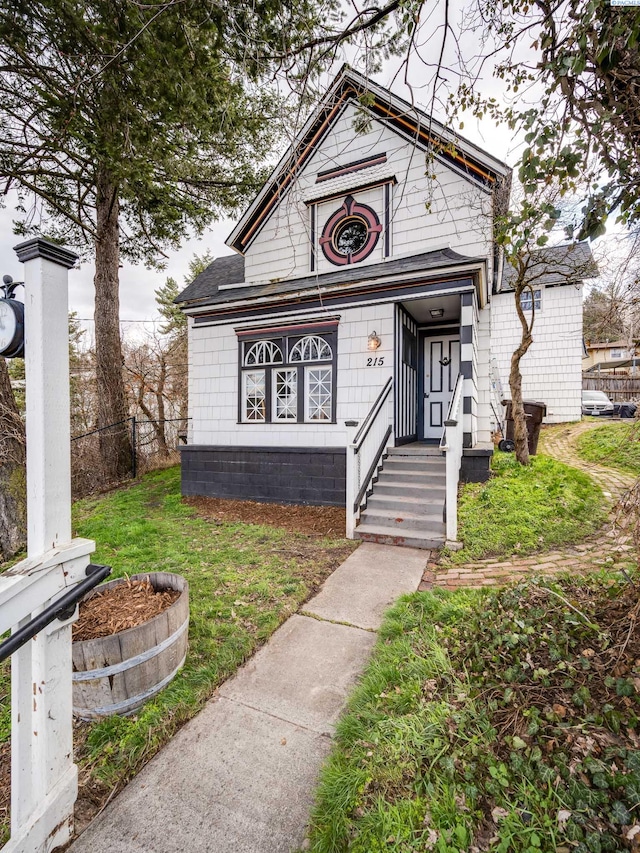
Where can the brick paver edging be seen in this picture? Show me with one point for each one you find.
(603, 550)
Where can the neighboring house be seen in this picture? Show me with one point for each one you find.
(355, 321)
(616, 356)
(552, 368)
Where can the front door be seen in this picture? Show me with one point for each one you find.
(441, 365)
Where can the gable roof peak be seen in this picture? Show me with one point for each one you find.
(405, 119)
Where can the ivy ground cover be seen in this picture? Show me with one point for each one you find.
(491, 720)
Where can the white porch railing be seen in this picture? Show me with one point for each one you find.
(497, 394)
(365, 452)
(451, 446)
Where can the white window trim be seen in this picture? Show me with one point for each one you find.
(274, 392)
(245, 397)
(307, 396)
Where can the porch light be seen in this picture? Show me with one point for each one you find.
(437, 312)
(373, 341)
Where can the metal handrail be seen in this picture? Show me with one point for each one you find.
(371, 416)
(372, 469)
(62, 608)
(453, 408)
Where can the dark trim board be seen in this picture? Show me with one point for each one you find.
(355, 166)
(406, 372)
(284, 475)
(376, 292)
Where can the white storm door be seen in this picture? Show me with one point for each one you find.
(441, 369)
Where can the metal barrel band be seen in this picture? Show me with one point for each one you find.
(129, 704)
(114, 669)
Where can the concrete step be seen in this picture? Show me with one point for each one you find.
(399, 504)
(435, 478)
(415, 463)
(408, 521)
(416, 450)
(409, 490)
(423, 450)
(391, 536)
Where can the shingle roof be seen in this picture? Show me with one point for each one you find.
(229, 269)
(553, 265)
(205, 288)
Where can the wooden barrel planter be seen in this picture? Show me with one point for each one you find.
(117, 674)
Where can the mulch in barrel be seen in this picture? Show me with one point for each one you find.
(123, 606)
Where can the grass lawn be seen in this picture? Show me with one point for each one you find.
(244, 581)
(502, 720)
(521, 510)
(615, 444)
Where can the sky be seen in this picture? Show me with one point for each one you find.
(138, 310)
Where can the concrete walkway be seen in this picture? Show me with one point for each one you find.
(241, 775)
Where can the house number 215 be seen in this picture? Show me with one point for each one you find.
(375, 361)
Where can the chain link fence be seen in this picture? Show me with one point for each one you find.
(131, 447)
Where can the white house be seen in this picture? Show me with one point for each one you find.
(347, 345)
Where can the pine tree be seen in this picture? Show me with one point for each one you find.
(130, 124)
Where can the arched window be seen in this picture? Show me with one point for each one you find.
(311, 348)
(288, 378)
(262, 352)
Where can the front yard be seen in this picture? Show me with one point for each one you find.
(245, 579)
(474, 702)
(501, 719)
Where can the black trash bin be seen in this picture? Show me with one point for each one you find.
(535, 413)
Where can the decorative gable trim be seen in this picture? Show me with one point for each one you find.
(423, 130)
(349, 184)
(356, 166)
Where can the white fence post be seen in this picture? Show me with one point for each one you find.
(43, 775)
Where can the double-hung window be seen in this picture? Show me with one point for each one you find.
(529, 299)
(289, 378)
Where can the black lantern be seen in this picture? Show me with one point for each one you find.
(11, 321)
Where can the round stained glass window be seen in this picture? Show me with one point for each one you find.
(350, 236)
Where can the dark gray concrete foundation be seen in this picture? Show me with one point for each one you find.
(301, 475)
(476, 464)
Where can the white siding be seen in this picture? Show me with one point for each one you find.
(552, 369)
(432, 207)
(213, 384)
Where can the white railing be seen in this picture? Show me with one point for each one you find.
(497, 394)
(451, 446)
(365, 453)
